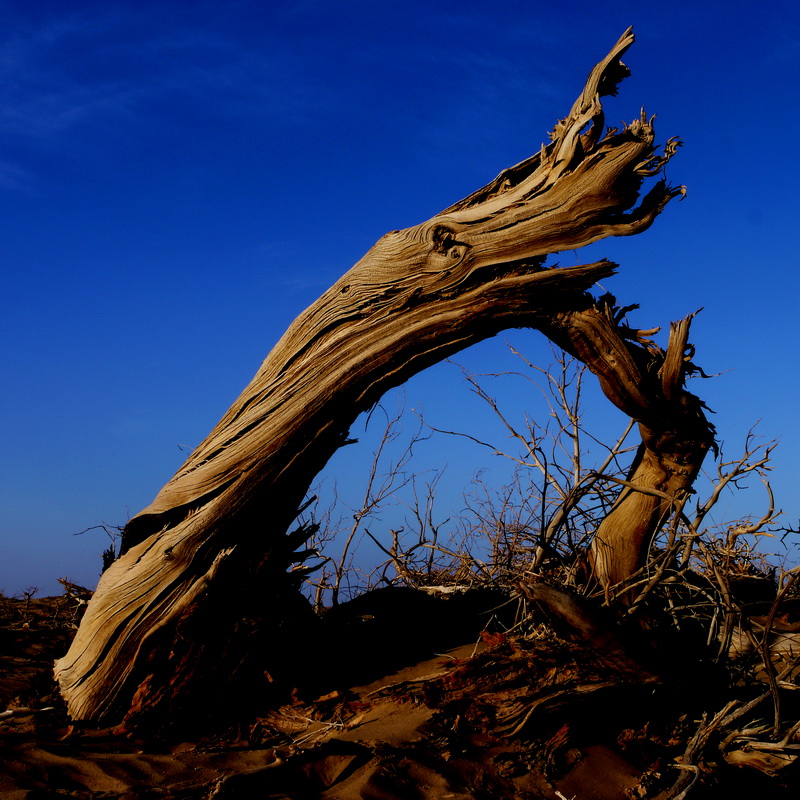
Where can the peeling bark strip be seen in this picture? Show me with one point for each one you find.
(164, 625)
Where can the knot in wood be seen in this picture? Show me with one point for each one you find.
(445, 243)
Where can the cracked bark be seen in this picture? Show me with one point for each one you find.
(167, 624)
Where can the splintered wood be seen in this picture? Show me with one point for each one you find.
(166, 628)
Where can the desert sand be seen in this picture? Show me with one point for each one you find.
(510, 714)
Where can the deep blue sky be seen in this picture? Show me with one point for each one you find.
(179, 180)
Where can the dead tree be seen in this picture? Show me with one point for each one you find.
(202, 596)
(647, 383)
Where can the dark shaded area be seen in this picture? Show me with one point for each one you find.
(426, 696)
(33, 633)
(386, 629)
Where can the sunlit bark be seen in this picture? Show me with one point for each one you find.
(647, 383)
(201, 596)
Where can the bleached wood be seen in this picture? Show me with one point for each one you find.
(164, 624)
(648, 385)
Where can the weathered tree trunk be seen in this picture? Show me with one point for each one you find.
(201, 596)
(646, 383)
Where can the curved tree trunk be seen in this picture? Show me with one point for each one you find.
(201, 597)
(647, 384)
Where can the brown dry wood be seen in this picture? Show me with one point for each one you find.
(646, 383)
(166, 625)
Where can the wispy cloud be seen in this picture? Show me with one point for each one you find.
(39, 96)
(124, 71)
(79, 68)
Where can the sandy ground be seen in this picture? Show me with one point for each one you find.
(493, 717)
